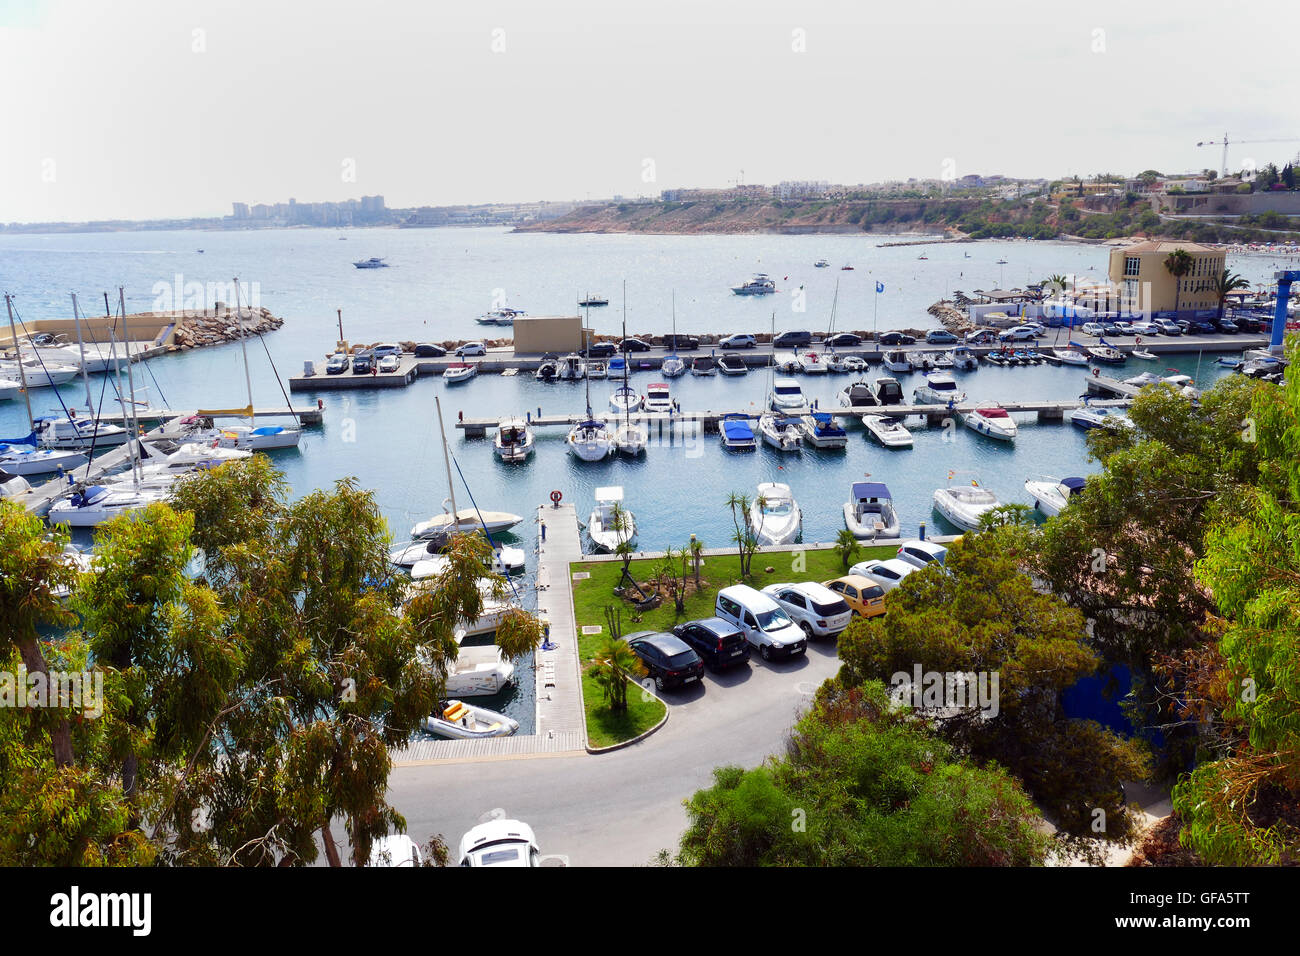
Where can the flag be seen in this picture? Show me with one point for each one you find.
(950, 474)
(880, 287)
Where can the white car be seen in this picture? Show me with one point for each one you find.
(1145, 328)
(389, 363)
(921, 554)
(1093, 328)
(500, 843)
(818, 610)
(739, 341)
(398, 850)
(1021, 333)
(471, 348)
(888, 574)
(1125, 328)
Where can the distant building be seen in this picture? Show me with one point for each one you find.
(801, 189)
(1139, 272)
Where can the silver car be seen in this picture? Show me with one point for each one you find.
(818, 610)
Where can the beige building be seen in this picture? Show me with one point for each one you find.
(559, 334)
(1138, 272)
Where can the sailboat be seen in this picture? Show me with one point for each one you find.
(590, 439)
(672, 365)
(629, 438)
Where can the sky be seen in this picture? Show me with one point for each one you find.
(142, 109)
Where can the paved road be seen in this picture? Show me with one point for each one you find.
(619, 809)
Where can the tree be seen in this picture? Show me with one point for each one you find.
(697, 558)
(612, 668)
(847, 547)
(744, 538)
(1004, 515)
(1178, 263)
(1228, 281)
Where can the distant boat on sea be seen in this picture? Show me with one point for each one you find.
(593, 300)
(761, 284)
(374, 262)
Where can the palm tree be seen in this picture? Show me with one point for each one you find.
(697, 558)
(1178, 263)
(612, 668)
(1229, 281)
(744, 537)
(1008, 514)
(846, 546)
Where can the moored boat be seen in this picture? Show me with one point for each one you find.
(737, 433)
(869, 513)
(458, 372)
(590, 440)
(1051, 495)
(783, 434)
(462, 721)
(731, 364)
(992, 421)
(610, 524)
(774, 516)
(964, 505)
(890, 432)
(513, 440)
(821, 431)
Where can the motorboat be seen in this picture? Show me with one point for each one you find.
(787, 363)
(888, 391)
(731, 364)
(761, 284)
(737, 433)
(787, 398)
(630, 438)
(941, 359)
(95, 505)
(820, 264)
(1185, 384)
(821, 431)
(964, 360)
(513, 440)
(624, 399)
(610, 524)
(858, 397)
(548, 368)
(897, 360)
(1069, 356)
(964, 505)
(774, 517)
(571, 368)
(855, 363)
(505, 559)
(657, 398)
(991, 420)
(812, 364)
(38, 374)
(374, 262)
(672, 367)
(703, 365)
(259, 438)
(1145, 354)
(940, 388)
(597, 369)
(20, 459)
(13, 485)
(458, 372)
(1089, 416)
(467, 520)
(77, 434)
(593, 301)
(590, 440)
(783, 434)
(9, 390)
(890, 432)
(1144, 378)
(479, 671)
(501, 316)
(430, 572)
(1105, 355)
(837, 364)
(869, 513)
(846, 268)
(462, 721)
(1051, 495)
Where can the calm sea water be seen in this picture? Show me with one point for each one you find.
(441, 279)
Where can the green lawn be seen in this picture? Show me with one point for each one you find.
(604, 727)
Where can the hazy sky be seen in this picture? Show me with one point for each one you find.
(157, 108)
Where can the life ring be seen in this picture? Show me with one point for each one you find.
(1137, 340)
(1096, 372)
(556, 497)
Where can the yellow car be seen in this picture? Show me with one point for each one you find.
(862, 595)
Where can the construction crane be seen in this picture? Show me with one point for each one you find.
(1238, 142)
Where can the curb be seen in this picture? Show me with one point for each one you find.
(596, 751)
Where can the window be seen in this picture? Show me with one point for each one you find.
(794, 598)
(1132, 265)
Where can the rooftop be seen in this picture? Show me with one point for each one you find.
(1167, 246)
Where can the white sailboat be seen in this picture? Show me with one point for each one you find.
(774, 516)
(672, 366)
(590, 440)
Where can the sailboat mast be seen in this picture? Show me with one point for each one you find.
(132, 415)
(18, 358)
(85, 378)
(626, 401)
(243, 345)
(446, 459)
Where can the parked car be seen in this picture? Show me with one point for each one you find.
(633, 345)
(471, 348)
(337, 364)
(922, 553)
(1125, 328)
(897, 338)
(1248, 323)
(500, 843)
(818, 611)
(667, 658)
(843, 340)
(741, 340)
(978, 337)
(387, 348)
(940, 337)
(792, 340)
(864, 597)
(362, 363)
(1093, 328)
(1111, 328)
(602, 349)
(1202, 327)
(1145, 328)
(720, 643)
(429, 350)
(888, 574)
(1167, 327)
(1021, 333)
(389, 363)
(684, 342)
(1226, 326)
(765, 625)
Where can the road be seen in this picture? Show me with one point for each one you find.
(621, 808)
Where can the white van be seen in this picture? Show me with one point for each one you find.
(764, 623)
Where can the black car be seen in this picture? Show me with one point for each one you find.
(429, 350)
(683, 342)
(667, 658)
(1110, 328)
(792, 340)
(897, 338)
(362, 363)
(844, 340)
(633, 345)
(1226, 326)
(1203, 327)
(719, 642)
(602, 349)
(1249, 323)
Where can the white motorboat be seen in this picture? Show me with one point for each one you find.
(858, 398)
(11, 485)
(479, 672)
(812, 364)
(963, 505)
(838, 364)
(888, 391)
(774, 516)
(624, 399)
(896, 360)
(467, 519)
(99, 503)
(77, 434)
(821, 431)
(610, 524)
(261, 438)
(590, 440)
(855, 363)
(787, 398)
(704, 365)
(1051, 495)
(731, 364)
(505, 559)
(597, 369)
(737, 433)
(9, 390)
(869, 513)
(783, 434)
(18, 459)
(940, 388)
(672, 367)
(1090, 416)
(1070, 356)
(462, 721)
(547, 368)
(630, 438)
(571, 368)
(502, 316)
(458, 372)
(1144, 354)
(38, 374)
(890, 432)
(761, 284)
(964, 360)
(513, 440)
(992, 421)
(657, 398)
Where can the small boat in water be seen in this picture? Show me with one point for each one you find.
(672, 367)
(374, 262)
(591, 301)
(897, 360)
(513, 440)
(783, 434)
(869, 513)
(467, 519)
(505, 559)
(548, 368)
(1070, 356)
(590, 440)
(888, 431)
(1144, 354)
(462, 721)
(610, 524)
(774, 516)
(458, 372)
(1090, 416)
(821, 264)
(658, 398)
(821, 431)
(501, 316)
(624, 399)
(261, 438)
(992, 421)
(787, 398)
(737, 433)
(888, 391)
(77, 434)
(964, 505)
(812, 364)
(855, 363)
(964, 360)
(703, 365)
(1105, 355)
(858, 398)
(761, 284)
(940, 388)
(571, 368)
(96, 505)
(630, 438)
(1051, 495)
(731, 364)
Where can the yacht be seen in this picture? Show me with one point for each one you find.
(730, 364)
(610, 524)
(1051, 495)
(1070, 356)
(513, 440)
(95, 505)
(624, 399)
(77, 434)
(821, 431)
(963, 505)
(897, 360)
(657, 398)
(858, 397)
(590, 440)
(737, 433)
(38, 374)
(1145, 354)
(869, 513)
(991, 420)
(888, 391)
(467, 520)
(787, 398)
(890, 432)
(261, 438)
(26, 459)
(9, 389)
(1090, 416)
(774, 516)
(593, 301)
(501, 316)
(374, 262)
(940, 388)
(761, 284)
(783, 434)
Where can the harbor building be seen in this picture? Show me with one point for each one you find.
(1145, 285)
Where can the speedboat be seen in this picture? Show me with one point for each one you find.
(11, 485)
(730, 364)
(374, 262)
(858, 397)
(1070, 356)
(855, 363)
(462, 721)
(940, 388)
(1090, 416)
(624, 399)
(737, 433)
(467, 520)
(821, 431)
(597, 370)
(888, 391)
(774, 516)
(502, 316)
(672, 367)
(783, 434)
(590, 440)
(869, 513)
(820, 264)
(513, 440)
(571, 368)
(761, 284)
(9, 390)
(657, 398)
(812, 364)
(896, 360)
(20, 459)
(479, 671)
(787, 398)
(610, 524)
(38, 374)
(548, 369)
(991, 420)
(963, 359)
(459, 372)
(99, 503)
(505, 559)
(703, 365)
(963, 505)
(837, 363)
(1106, 355)
(941, 359)
(260, 438)
(1051, 495)
(630, 438)
(77, 434)
(890, 432)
